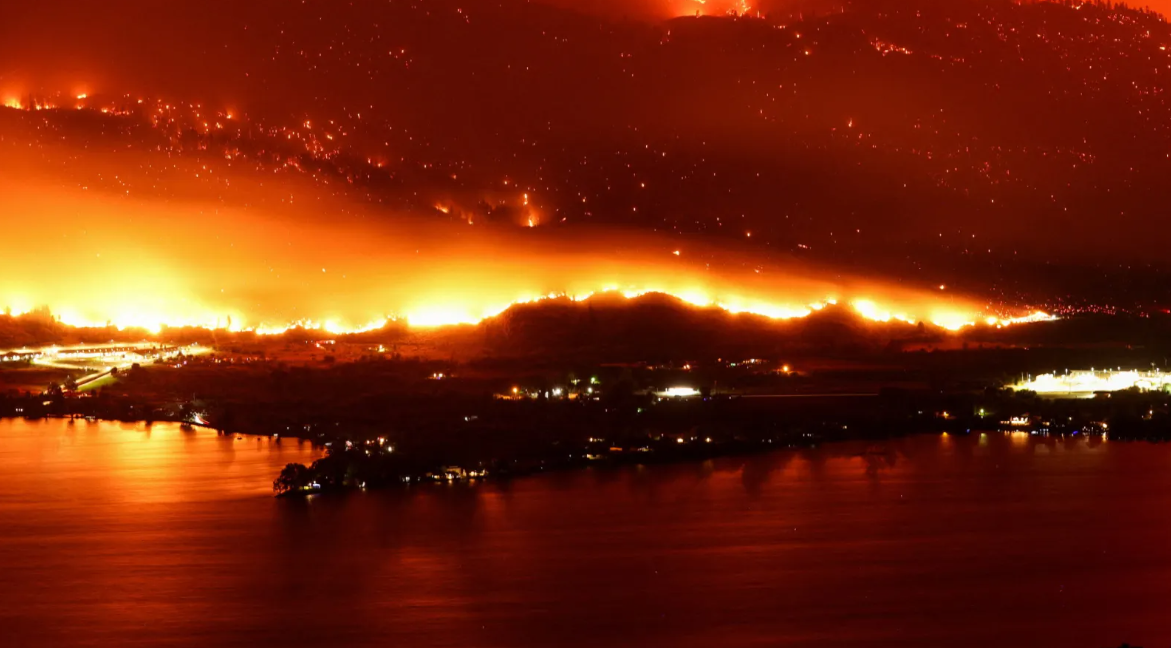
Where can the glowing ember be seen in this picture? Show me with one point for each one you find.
(716, 8)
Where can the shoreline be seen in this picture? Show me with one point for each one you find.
(662, 455)
(453, 437)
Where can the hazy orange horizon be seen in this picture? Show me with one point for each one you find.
(268, 254)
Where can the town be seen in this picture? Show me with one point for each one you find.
(385, 419)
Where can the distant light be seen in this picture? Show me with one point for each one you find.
(1087, 383)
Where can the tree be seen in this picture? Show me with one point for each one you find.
(293, 477)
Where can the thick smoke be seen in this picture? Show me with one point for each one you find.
(269, 253)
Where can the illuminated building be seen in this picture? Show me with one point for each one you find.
(1087, 383)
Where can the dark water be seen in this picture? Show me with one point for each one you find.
(114, 536)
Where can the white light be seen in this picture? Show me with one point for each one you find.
(1088, 382)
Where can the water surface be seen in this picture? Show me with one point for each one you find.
(115, 535)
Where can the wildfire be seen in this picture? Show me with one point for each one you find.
(440, 312)
(716, 7)
(131, 266)
(886, 48)
(134, 268)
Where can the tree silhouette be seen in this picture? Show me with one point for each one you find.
(293, 477)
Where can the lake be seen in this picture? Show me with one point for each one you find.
(123, 535)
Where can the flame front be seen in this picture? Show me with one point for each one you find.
(250, 253)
